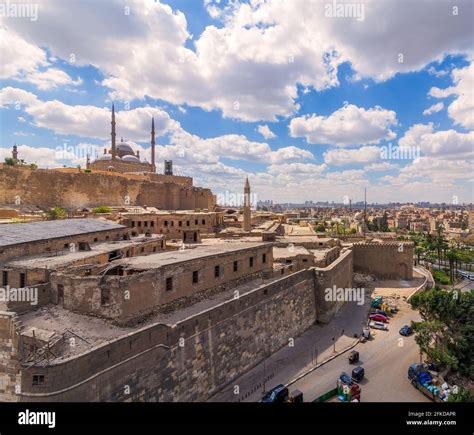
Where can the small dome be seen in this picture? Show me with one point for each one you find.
(131, 159)
(105, 157)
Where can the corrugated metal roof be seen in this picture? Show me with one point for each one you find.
(14, 234)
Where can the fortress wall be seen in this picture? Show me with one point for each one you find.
(217, 345)
(339, 274)
(388, 260)
(9, 364)
(49, 188)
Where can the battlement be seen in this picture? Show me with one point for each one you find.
(384, 244)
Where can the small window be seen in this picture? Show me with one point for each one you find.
(152, 223)
(5, 278)
(187, 223)
(251, 262)
(133, 224)
(166, 223)
(38, 379)
(217, 271)
(180, 224)
(145, 223)
(22, 280)
(139, 223)
(264, 258)
(203, 222)
(95, 239)
(196, 222)
(66, 246)
(172, 223)
(195, 277)
(169, 284)
(305, 260)
(236, 266)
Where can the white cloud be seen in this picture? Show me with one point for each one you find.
(87, 121)
(343, 157)
(23, 61)
(265, 131)
(461, 110)
(433, 109)
(449, 143)
(381, 167)
(248, 67)
(349, 125)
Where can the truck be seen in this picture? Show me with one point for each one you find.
(423, 380)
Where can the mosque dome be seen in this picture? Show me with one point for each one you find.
(124, 149)
(105, 157)
(130, 159)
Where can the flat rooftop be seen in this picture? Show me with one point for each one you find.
(19, 233)
(63, 258)
(289, 252)
(159, 259)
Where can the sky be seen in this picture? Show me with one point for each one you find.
(312, 100)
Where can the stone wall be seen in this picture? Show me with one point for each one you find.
(132, 297)
(9, 358)
(339, 274)
(387, 260)
(49, 188)
(189, 361)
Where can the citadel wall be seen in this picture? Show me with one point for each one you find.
(188, 361)
(50, 188)
(387, 260)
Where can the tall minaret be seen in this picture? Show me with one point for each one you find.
(15, 153)
(247, 224)
(114, 150)
(153, 167)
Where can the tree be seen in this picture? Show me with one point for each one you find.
(446, 332)
(10, 161)
(57, 213)
(102, 209)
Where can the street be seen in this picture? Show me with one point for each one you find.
(385, 357)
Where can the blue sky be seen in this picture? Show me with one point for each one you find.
(299, 101)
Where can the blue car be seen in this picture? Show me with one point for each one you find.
(406, 330)
(277, 394)
(346, 379)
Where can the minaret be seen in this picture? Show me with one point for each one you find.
(15, 153)
(88, 161)
(114, 150)
(247, 225)
(153, 167)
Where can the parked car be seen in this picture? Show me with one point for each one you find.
(346, 379)
(378, 325)
(277, 394)
(358, 373)
(378, 318)
(406, 330)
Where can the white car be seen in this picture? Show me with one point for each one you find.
(378, 325)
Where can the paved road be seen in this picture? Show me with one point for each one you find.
(385, 362)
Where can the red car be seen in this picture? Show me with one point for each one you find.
(378, 318)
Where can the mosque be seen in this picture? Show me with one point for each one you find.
(121, 157)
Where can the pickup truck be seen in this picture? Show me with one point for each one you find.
(421, 379)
